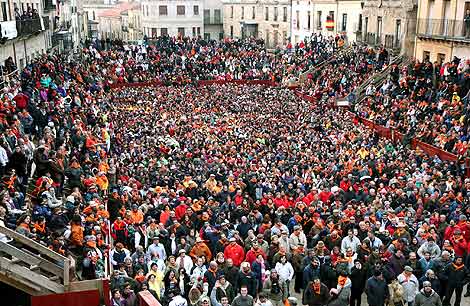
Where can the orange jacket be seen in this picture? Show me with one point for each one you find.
(137, 217)
(200, 249)
(76, 236)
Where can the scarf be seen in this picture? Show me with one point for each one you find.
(316, 288)
(458, 267)
(342, 280)
(40, 228)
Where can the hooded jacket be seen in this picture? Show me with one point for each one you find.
(427, 300)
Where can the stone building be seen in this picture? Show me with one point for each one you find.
(264, 19)
(441, 32)
(338, 17)
(390, 23)
(213, 19)
(123, 22)
(23, 39)
(166, 17)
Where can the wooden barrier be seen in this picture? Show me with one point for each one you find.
(198, 83)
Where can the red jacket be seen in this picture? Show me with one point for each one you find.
(252, 254)
(236, 253)
(460, 246)
(465, 229)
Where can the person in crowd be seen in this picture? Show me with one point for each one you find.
(377, 290)
(152, 160)
(316, 293)
(427, 296)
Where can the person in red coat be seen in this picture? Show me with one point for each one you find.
(464, 227)
(235, 252)
(254, 252)
(459, 244)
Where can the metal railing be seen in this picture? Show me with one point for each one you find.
(391, 42)
(28, 26)
(443, 29)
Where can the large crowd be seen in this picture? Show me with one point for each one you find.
(227, 194)
(426, 101)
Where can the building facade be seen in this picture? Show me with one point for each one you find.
(337, 17)
(172, 18)
(391, 24)
(23, 38)
(302, 20)
(441, 31)
(213, 19)
(264, 19)
(120, 22)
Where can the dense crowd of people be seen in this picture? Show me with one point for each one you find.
(426, 101)
(227, 194)
(185, 60)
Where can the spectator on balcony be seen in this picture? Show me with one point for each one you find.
(466, 20)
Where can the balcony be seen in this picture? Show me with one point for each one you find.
(370, 38)
(212, 21)
(28, 27)
(443, 29)
(49, 5)
(391, 42)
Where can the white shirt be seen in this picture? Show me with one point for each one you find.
(285, 271)
(178, 301)
(352, 243)
(3, 156)
(187, 263)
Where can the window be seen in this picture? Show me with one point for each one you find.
(217, 16)
(397, 33)
(266, 13)
(194, 32)
(243, 12)
(284, 14)
(379, 30)
(207, 36)
(253, 13)
(441, 58)
(4, 11)
(231, 11)
(275, 14)
(207, 16)
(344, 22)
(231, 31)
(359, 25)
(180, 10)
(181, 31)
(162, 10)
(221, 35)
(196, 10)
(94, 15)
(426, 56)
(164, 31)
(309, 20)
(319, 20)
(297, 21)
(267, 38)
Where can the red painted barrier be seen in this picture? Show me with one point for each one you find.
(199, 83)
(147, 299)
(78, 298)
